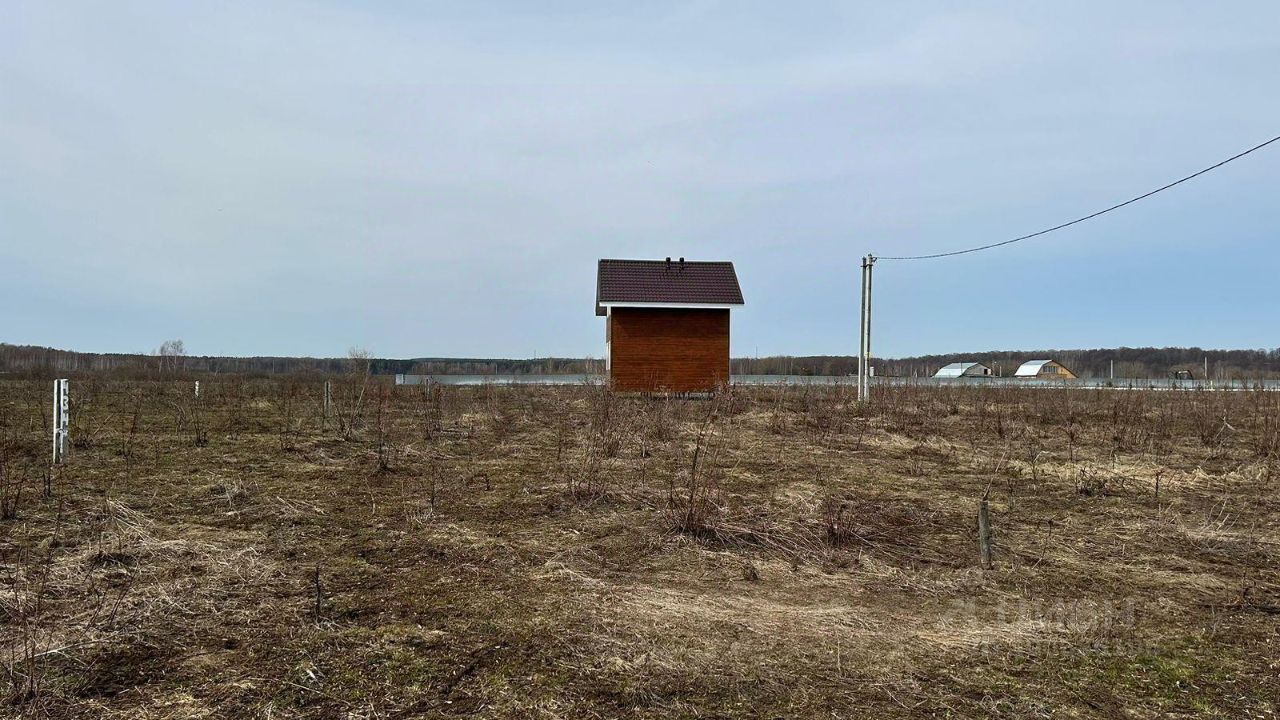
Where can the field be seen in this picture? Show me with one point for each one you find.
(566, 553)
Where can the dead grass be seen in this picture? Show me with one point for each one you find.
(562, 552)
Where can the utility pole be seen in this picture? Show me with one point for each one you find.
(864, 332)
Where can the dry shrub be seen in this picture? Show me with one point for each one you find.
(898, 528)
(759, 528)
(84, 428)
(388, 450)
(14, 468)
(584, 477)
(503, 410)
(12, 482)
(659, 423)
(351, 389)
(1266, 443)
(235, 400)
(838, 523)
(429, 403)
(586, 480)
(290, 422)
(694, 506)
(609, 424)
(1090, 482)
(778, 414)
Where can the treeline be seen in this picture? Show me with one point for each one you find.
(30, 359)
(41, 361)
(1128, 363)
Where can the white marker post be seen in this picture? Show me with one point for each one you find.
(197, 388)
(61, 419)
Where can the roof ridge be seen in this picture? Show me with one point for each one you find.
(664, 261)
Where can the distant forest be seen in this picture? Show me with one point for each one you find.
(1128, 363)
(171, 359)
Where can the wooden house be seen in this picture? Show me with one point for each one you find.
(1044, 370)
(666, 323)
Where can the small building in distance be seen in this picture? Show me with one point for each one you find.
(1044, 370)
(963, 369)
(666, 323)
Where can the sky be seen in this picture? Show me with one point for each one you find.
(432, 179)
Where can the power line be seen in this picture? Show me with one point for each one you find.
(1086, 217)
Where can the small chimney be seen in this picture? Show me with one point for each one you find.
(668, 263)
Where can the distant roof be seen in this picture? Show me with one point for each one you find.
(1031, 368)
(666, 282)
(956, 369)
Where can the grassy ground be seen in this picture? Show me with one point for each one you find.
(560, 552)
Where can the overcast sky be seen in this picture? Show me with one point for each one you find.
(299, 178)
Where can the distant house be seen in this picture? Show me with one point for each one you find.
(1044, 370)
(963, 369)
(666, 323)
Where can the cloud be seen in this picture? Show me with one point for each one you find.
(296, 178)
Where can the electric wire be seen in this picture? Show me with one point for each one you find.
(1090, 216)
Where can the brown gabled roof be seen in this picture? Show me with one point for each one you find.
(677, 282)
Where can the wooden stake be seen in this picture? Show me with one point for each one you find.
(319, 594)
(328, 404)
(984, 534)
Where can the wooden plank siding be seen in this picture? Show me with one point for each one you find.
(1056, 370)
(666, 349)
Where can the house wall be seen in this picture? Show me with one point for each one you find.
(1056, 371)
(677, 350)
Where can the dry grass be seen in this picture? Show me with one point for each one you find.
(562, 552)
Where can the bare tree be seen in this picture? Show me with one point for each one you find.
(172, 354)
